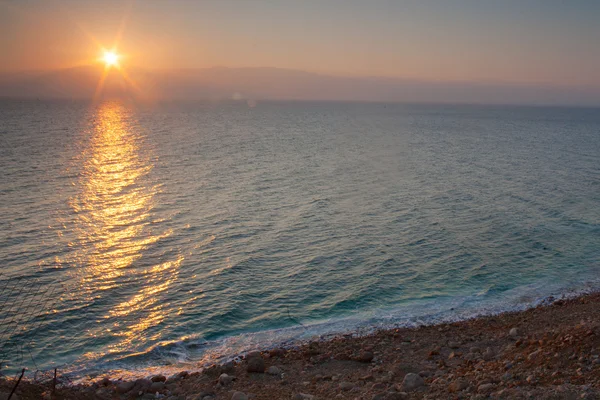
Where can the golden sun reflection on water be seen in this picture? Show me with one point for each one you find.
(115, 225)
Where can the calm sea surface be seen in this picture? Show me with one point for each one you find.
(136, 236)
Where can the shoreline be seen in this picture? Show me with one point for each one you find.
(548, 351)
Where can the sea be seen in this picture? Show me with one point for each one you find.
(169, 236)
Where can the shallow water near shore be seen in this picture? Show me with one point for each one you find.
(185, 233)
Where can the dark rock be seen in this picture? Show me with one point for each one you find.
(256, 364)
(458, 385)
(156, 387)
(225, 379)
(125, 387)
(366, 356)
(485, 388)
(239, 396)
(303, 396)
(158, 378)
(141, 385)
(273, 370)
(396, 396)
(228, 367)
(412, 381)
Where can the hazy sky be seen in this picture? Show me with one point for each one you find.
(525, 41)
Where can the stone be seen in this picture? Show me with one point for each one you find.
(205, 394)
(486, 387)
(345, 386)
(173, 378)
(256, 364)
(514, 332)
(366, 356)
(158, 378)
(396, 396)
(225, 379)
(453, 345)
(239, 396)
(488, 354)
(183, 374)
(276, 352)
(156, 387)
(228, 367)
(142, 385)
(125, 387)
(533, 356)
(303, 396)
(458, 385)
(474, 350)
(105, 381)
(273, 370)
(253, 354)
(411, 382)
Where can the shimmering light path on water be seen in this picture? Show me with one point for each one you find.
(178, 233)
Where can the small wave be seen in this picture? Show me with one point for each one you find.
(194, 352)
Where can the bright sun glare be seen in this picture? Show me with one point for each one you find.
(110, 58)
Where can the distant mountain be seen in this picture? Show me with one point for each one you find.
(274, 84)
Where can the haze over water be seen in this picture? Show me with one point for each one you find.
(182, 233)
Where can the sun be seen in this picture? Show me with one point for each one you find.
(110, 58)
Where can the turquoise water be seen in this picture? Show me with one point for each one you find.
(181, 233)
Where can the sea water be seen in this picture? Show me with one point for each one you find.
(139, 236)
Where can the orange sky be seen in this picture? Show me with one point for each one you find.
(455, 40)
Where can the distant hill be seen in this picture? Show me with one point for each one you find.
(275, 84)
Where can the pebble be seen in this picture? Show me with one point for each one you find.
(256, 364)
(303, 396)
(458, 385)
(105, 381)
(228, 367)
(366, 356)
(396, 396)
(125, 387)
(514, 332)
(486, 387)
(225, 379)
(158, 378)
(412, 381)
(273, 370)
(488, 354)
(239, 396)
(156, 387)
(532, 356)
(345, 386)
(253, 354)
(142, 385)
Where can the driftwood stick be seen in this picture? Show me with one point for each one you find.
(16, 384)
